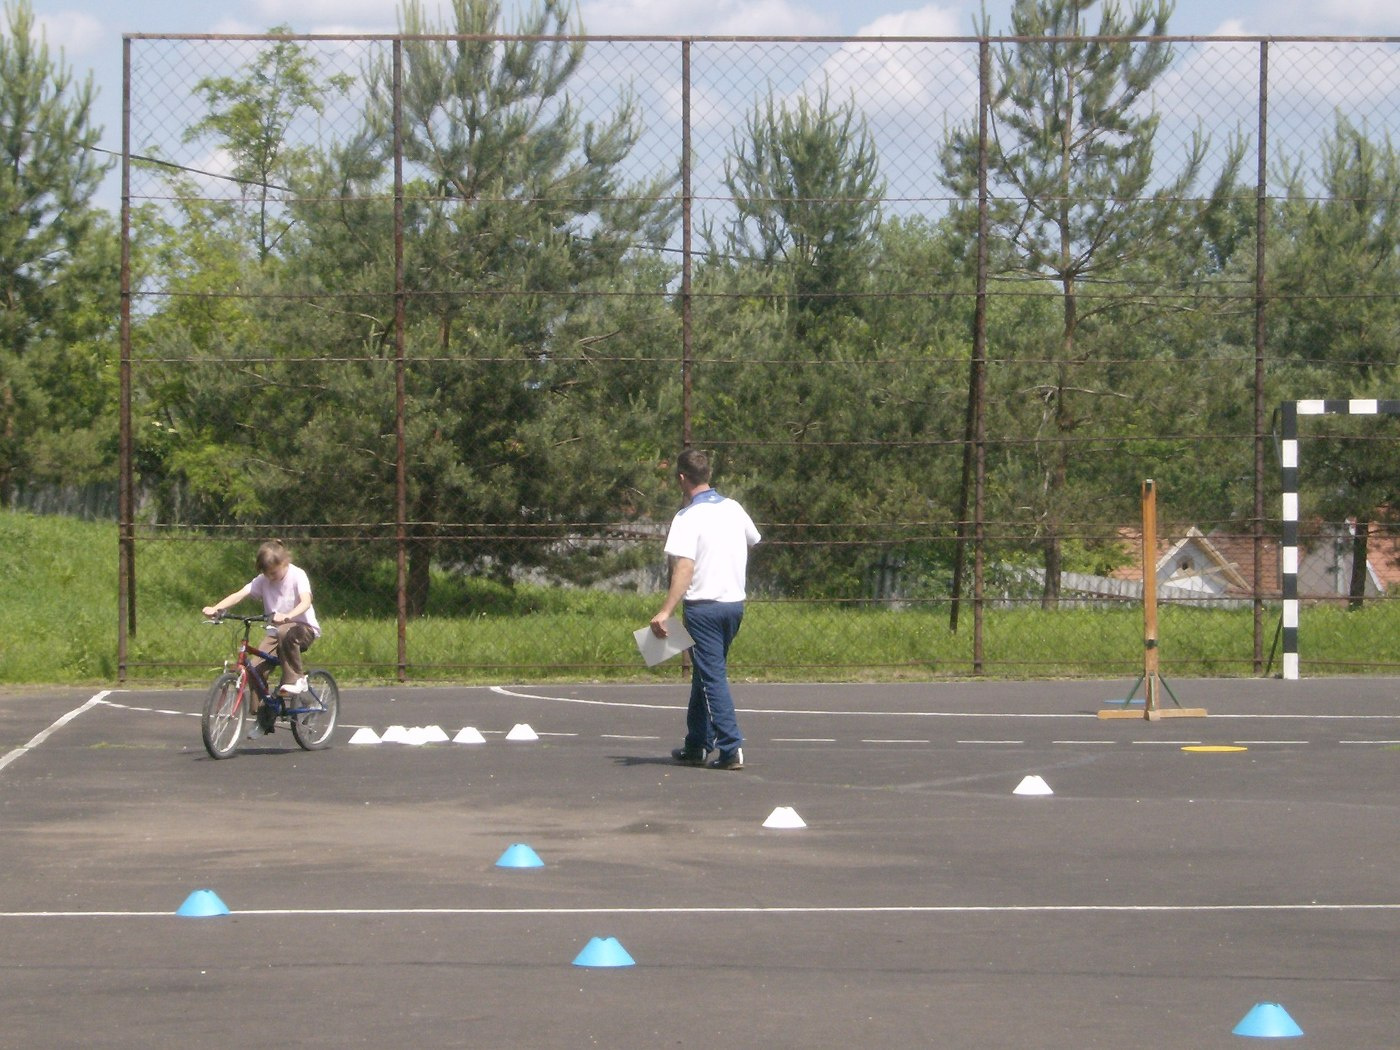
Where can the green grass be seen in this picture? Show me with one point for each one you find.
(58, 624)
(58, 615)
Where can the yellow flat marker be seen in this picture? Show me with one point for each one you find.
(1214, 747)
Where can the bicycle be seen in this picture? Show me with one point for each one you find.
(312, 714)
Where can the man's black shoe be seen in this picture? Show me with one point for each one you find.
(729, 759)
(689, 756)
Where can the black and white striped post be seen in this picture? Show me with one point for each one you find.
(1288, 457)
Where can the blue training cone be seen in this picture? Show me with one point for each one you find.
(604, 951)
(201, 904)
(1267, 1021)
(520, 856)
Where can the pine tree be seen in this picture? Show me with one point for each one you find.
(1080, 200)
(49, 172)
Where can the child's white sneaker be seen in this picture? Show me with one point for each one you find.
(295, 688)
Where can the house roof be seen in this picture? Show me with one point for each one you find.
(1230, 556)
(1232, 553)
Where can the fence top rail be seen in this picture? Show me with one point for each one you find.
(682, 39)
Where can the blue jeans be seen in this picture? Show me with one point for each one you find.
(710, 721)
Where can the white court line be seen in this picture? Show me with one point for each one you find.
(504, 691)
(1368, 741)
(894, 741)
(991, 741)
(147, 710)
(1169, 743)
(875, 909)
(39, 738)
(1273, 741)
(100, 698)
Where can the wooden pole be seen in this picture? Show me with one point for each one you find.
(1150, 661)
(1151, 679)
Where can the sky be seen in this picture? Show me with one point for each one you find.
(89, 32)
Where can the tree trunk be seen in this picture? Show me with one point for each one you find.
(1359, 543)
(7, 434)
(420, 558)
(1050, 598)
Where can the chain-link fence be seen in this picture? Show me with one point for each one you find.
(439, 310)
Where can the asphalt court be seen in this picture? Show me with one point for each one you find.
(1155, 897)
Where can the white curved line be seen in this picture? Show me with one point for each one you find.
(39, 738)
(858, 909)
(505, 691)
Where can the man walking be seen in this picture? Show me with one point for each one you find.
(708, 544)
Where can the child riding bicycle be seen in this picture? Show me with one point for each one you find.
(285, 590)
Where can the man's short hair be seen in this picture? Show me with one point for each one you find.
(694, 466)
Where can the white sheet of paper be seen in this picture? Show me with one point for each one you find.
(654, 649)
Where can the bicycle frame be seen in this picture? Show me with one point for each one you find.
(251, 672)
(312, 714)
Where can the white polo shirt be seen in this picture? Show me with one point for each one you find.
(282, 596)
(716, 533)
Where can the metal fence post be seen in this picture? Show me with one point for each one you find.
(1261, 224)
(979, 523)
(400, 321)
(126, 537)
(687, 204)
(974, 445)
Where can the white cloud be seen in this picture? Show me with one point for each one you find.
(1304, 18)
(301, 14)
(1367, 16)
(924, 21)
(898, 78)
(75, 34)
(1231, 27)
(239, 27)
(720, 18)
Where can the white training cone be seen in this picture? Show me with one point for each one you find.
(522, 731)
(364, 735)
(784, 817)
(416, 736)
(434, 735)
(395, 735)
(469, 735)
(1033, 785)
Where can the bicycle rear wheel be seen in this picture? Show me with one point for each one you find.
(224, 712)
(312, 728)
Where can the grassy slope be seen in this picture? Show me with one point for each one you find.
(58, 623)
(58, 616)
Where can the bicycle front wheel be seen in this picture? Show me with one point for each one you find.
(312, 728)
(224, 712)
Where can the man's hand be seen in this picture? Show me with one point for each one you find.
(682, 570)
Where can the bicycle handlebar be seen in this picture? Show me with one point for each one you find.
(260, 618)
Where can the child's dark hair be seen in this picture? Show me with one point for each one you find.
(272, 554)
